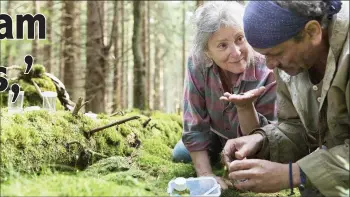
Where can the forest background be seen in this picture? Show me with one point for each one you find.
(115, 54)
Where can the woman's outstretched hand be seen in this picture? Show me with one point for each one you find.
(244, 99)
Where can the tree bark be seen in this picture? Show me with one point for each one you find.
(183, 41)
(79, 66)
(34, 41)
(157, 91)
(69, 59)
(148, 56)
(126, 63)
(47, 60)
(116, 79)
(95, 60)
(139, 63)
(8, 56)
(121, 79)
(144, 50)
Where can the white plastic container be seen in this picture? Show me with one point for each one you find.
(17, 106)
(32, 108)
(200, 186)
(91, 115)
(49, 101)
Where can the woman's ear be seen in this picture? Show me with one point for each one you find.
(207, 53)
(313, 30)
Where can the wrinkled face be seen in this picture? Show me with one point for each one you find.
(228, 48)
(290, 56)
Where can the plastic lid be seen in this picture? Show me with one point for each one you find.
(180, 184)
(32, 108)
(49, 94)
(91, 115)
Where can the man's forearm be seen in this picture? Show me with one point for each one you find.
(201, 163)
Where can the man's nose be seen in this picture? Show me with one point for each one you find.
(235, 51)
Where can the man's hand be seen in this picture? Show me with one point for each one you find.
(243, 100)
(262, 175)
(224, 183)
(241, 147)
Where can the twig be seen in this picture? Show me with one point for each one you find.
(62, 167)
(96, 153)
(83, 104)
(77, 107)
(117, 113)
(14, 67)
(37, 89)
(91, 132)
(146, 122)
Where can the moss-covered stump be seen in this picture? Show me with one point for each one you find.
(25, 81)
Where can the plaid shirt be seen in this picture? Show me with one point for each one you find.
(205, 113)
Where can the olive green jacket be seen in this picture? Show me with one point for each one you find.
(309, 115)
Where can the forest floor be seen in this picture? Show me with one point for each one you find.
(51, 154)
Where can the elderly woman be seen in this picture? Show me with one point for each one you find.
(228, 89)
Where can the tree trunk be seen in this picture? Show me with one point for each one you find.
(8, 56)
(144, 50)
(95, 58)
(47, 60)
(79, 67)
(34, 41)
(69, 60)
(183, 41)
(121, 79)
(148, 55)
(60, 69)
(126, 64)
(117, 61)
(139, 63)
(156, 86)
(110, 23)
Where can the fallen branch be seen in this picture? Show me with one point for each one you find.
(37, 88)
(62, 167)
(96, 153)
(117, 113)
(77, 106)
(146, 122)
(88, 134)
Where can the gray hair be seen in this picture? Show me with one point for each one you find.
(316, 10)
(209, 18)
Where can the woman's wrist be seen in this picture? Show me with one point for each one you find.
(245, 107)
(201, 163)
(206, 174)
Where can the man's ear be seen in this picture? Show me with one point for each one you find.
(313, 31)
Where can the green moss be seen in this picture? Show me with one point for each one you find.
(138, 159)
(157, 148)
(68, 185)
(108, 165)
(31, 96)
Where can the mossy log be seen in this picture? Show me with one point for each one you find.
(34, 141)
(25, 81)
